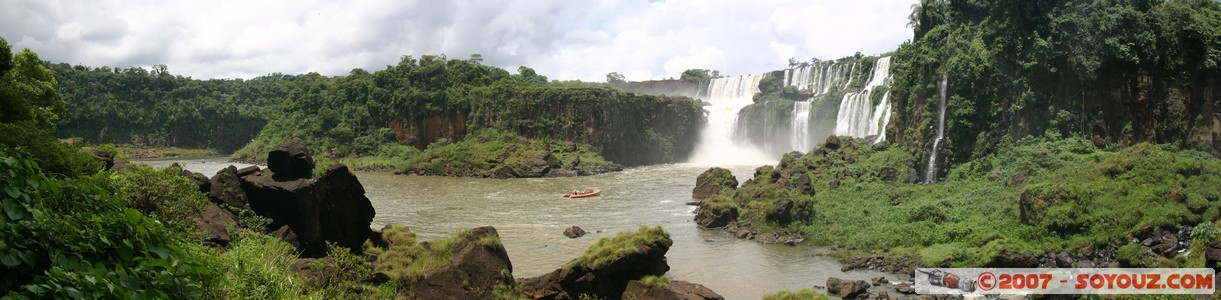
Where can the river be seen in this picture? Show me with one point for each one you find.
(531, 217)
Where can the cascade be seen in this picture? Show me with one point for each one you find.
(856, 116)
(726, 97)
(801, 126)
(930, 175)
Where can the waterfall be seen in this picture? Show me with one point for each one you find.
(857, 116)
(726, 97)
(801, 126)
(931, 173)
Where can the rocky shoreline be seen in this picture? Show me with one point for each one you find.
(311, 213)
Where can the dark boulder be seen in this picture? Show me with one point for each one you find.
(712, 182)
(832, 143)
(1212, 255)
(847, 289)
(291, 159)
(709, 216)
(675, 290)
(331, 208)
(782, 212)
(802, 184)
(247, 171)
(574, 232)
(476, 268)
(608, 281)
(226, 187)
(215, 223)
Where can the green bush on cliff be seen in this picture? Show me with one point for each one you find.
(487, 151)
(609, 249)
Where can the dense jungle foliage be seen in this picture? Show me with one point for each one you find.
(1117, 72)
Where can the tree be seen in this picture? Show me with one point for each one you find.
(476, 58)
(615, 77)
(698, 75)
(28, 91)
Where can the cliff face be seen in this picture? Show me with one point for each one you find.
(627, 128)
(1118, 74)
(419, 132)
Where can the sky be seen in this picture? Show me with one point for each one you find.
(561, 39)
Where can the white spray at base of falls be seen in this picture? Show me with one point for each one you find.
(801, 126)
(930, 175)
(726, 97)
(857, 116)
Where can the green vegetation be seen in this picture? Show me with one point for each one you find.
(259, 267)
(405, 257)
(609, 249)
(1043, 195)
(1120, 72)
(802, 294)
(489, 152)
(153, 108)
(69, 229)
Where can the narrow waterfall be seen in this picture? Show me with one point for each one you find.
(857, 116)
(801, 126)
(930, 175)
(726, 97)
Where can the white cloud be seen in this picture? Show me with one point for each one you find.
(561, 39)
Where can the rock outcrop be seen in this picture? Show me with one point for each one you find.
(608, 280)
(847, 289)
(712, 182)
(291, 159)
(330, 208)
(306, 212)
(476, 268)
(226, 187)
(215, 223)
(675, 290)
(1212, 255)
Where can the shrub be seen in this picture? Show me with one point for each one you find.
(164, 194)
(257, 266)
(73, 238)
(1130, 255)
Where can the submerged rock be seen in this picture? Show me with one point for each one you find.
(574, 232)
(846, 289)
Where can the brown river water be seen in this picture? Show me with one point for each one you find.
(531, 217)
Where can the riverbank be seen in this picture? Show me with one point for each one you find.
(1040, 202)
